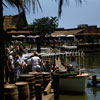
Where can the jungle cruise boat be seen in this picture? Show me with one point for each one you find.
(73, 82)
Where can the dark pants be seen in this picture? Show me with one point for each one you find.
(12, 76)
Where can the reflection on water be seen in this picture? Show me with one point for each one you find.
(74, 97)
(92, 60)
(92, 64)
(93, 93)
(94, 71)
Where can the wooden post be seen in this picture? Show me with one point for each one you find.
(64, 59)
(38, 92)
(94, 80)
(56, 86)
(47, 90)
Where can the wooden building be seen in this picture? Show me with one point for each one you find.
(16, 25)
(83, 32)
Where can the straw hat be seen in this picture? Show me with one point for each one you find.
(36, 53)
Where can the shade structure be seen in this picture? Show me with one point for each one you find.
(21, 36)
(53, 36)
(70, 36)
(36, 36)
(30, 36)
(69, 47)
(61, 35)
(13, 36)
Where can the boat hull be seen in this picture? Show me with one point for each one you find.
(73, 83)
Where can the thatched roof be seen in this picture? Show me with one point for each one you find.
(67, 32)
(16, 21)
(85, 34)
(19, 32)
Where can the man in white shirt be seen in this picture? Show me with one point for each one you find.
(21, 61)
(35, 60)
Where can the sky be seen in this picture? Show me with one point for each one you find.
(72, 14)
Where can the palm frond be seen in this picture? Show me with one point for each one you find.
(25, 5)
(4, 5)
(60, 7)
(10, 2)
(39, 5)
(16, 3)
(33, 4)
(61, 2)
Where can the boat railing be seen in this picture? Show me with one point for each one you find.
(65, 57)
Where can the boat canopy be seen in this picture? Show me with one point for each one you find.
(70, 47)
(70, 35)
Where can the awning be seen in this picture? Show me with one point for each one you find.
(70, 35)
(20, 36)
(30, 36)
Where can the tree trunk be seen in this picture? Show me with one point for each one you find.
(2, 53)
(38, 40)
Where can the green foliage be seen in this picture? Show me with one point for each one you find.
(44, 26)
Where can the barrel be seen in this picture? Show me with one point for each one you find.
(38, 78)
(46, 78)
(23, 90)
(11, 92)
(31, 81)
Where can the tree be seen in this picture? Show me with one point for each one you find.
(42, 27)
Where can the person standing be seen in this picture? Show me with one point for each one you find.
(7, 69)
(36, 61)
(11, 69)
(17, 68)
(21, 61)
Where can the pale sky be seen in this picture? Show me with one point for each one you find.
(72, 15)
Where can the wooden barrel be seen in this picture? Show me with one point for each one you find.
(31, 81)
(46, 78)
(11, 92)
(23, 90)
(38, 78)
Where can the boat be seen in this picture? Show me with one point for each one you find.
(69, 81)
(73, 83)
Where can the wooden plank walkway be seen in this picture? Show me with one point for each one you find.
(46, 97)
(97, 79)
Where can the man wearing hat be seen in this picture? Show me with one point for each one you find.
(35, 60)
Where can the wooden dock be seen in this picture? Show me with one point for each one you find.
(46, 97)
(95, 80)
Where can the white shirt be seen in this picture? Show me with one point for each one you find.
(35, 60)
(12, 60)
(21, 59)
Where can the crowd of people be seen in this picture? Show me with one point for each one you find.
(17, 63)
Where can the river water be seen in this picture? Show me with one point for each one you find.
(92, 65)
